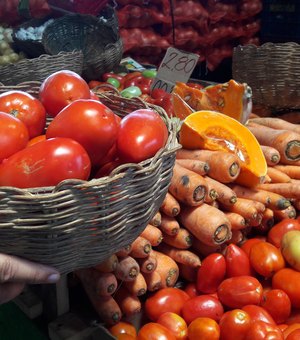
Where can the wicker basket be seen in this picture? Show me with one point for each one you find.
(80, 223)
(32, 48)
(37, 69)
(272, 71)
(97, 38)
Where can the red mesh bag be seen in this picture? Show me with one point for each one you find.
(92, 7)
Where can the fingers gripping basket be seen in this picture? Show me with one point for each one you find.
(273, 72)
(80, 223)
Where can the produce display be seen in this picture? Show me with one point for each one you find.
(220, 258)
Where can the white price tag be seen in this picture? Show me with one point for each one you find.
(176, 66)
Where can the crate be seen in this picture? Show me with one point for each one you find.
(280, 21)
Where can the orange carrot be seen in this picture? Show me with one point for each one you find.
(208, 224)
(188, 273)
(170, 206)
(169, 225)
(291, 117)
(278, 176)
(267, 179)
(267, 221)
(237, 221)
(269, 199)
(243, 206)
(296, 204)
(102, 283)
(237, 237)
(271, 154)
(223, 166)
(288, 190)
(167, 269)
(187, 186)
(289, 212)
(225, 194)
(140, 247)
(255, 221)
(293, 171)
(214, 204)
(285, 141)
(108, 265)
(182, 240)
(127, 269)
(156, 219)
(276, 123)
(106, 307)
(152, 234)
(153, 280)
(211, 194)
(129, 304)
(137, 287)
(183, 256)
(203, 249)
(200, 167)
(147, 264)
(124, 251)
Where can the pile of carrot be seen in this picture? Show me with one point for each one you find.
(203, 211)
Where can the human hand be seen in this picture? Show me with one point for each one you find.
(16, 272)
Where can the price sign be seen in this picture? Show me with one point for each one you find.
(176, 66)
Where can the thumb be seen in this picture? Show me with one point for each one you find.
(15, 269)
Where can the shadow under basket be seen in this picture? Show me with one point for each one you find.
(78, 224)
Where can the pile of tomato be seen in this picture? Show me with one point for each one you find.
(248, 292)
(68, 133)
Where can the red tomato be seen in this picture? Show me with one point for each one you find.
(234, 324)
(45, 164)
(278, 230)
(62, 88)
(141, 134)
(288, 280)
(123, 328)
(191, 289)
(155, 331)
(175, 324)
(277, 303)
(260, 330)
(238, 291)
(158, 93)
(93, 96)
(237, 261)
(294, 335)
(36, 139)
(90, 123)
(247, 245)
(266, 259)
(203, 329)
(108, 75)
(25, 107)
(165, 300)
(258, 313)
(211, 273)
(13, 135)
(290, 329)
(94, 83)
(202, 306)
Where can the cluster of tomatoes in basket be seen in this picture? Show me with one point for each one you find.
(68, 133)
(248, 292)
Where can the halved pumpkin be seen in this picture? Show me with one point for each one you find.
(231, 98)
(213, 130)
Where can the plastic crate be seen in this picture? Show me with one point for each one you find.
(280, 21)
